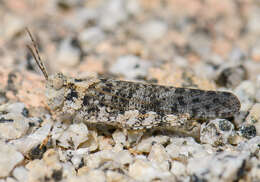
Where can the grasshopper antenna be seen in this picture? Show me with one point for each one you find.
(36, 54)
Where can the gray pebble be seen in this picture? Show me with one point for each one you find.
(217, 132)
(247, 131)
(232, 76)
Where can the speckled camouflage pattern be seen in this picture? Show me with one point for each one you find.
(134, 105)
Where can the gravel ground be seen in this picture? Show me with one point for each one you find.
(209, 45)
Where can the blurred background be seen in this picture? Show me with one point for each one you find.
(164, 41)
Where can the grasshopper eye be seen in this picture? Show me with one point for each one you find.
(58, 81)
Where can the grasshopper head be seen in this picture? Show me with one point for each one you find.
(55, 90)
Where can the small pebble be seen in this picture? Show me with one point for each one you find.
(146, 144)
(92, 143)
(119, 137)
(152, 30)
(142, 170)
(90, 37)
(76, 161)
(20, 173)
(10, 157)
(232, 76)
(184, 147)
(130, 67)
(25, 144)
(221, 167)
(200, 43)
(46, 168)
(254, 117)
(13, 126)
(68, 55)
(178, 168)
(17, 108)
(74, 136)
(251, 145)
(123, 157)
(96, 159)
(245, 92)
(217, 132)
(247, 131)
(105, 143)
(159, 155)
(112, 14)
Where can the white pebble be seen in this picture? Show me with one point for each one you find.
(94, 160)
(146, 143)
(20, 173)
(245, 92)
(16, 107)
(152, 30)
(25, 144)
(112, 13)
(184, 147)
(76, 133)
(251, 145)
(15, 127)
(159, 155)
(90, 37)
(142, 170)
(130, 66)
(178, 168)
(10, 157)
(67, 54)
(123, 157)
(119, 137)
